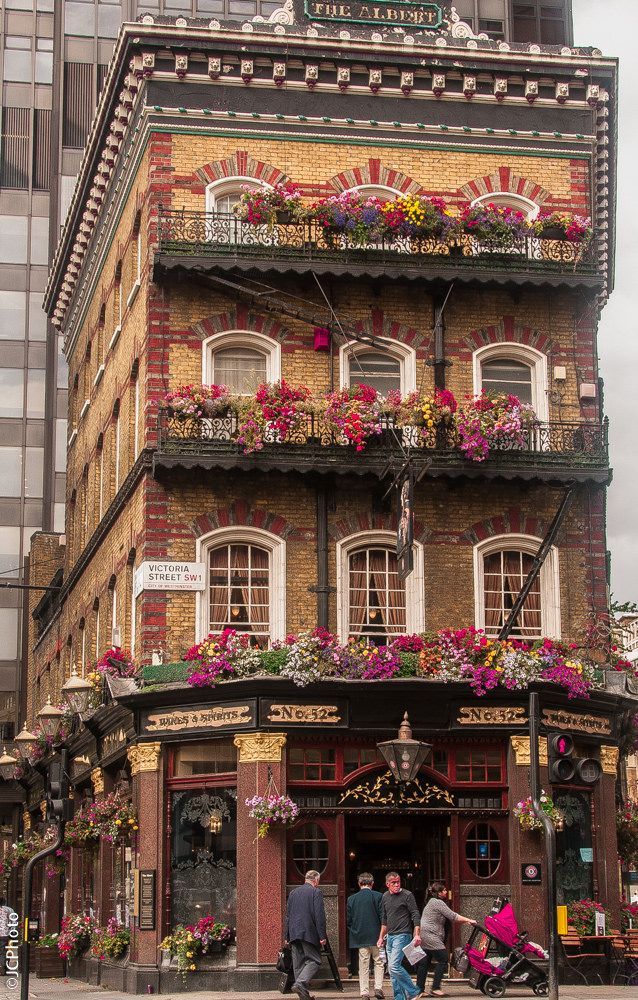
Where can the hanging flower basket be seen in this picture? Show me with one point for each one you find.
(524, 812)
(271, 809)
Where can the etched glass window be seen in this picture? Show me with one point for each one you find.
(239, 590)
(574, 848)
(376, 595)
(203, 856)
(240, 368)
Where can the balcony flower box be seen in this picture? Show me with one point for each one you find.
(564, 226)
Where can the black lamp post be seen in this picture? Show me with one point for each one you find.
(403, 755)
(76, 692)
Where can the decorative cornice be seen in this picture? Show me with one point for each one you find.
(259, 747)
(522, 750)
(144, 757)
(609, 759)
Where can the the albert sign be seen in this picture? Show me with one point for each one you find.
(169, 576)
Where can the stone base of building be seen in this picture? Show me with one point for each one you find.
(138, 978)
(253, 978)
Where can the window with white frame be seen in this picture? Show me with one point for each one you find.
(384, 370)
(380, 191)
(501, 567)
(516, 369)
(245, 584)
(223, 195)
(506, 199)
(373, 602)
(240, 359)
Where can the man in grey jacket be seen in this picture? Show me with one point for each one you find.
(306, 931)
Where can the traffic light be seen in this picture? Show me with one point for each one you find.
(564, 768)
(560, 750)
(59, 806)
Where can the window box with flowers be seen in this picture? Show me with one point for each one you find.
(524, 812)
(562, 226)
(188, 943)
(498, 227)
(48, 962)
(261, 206)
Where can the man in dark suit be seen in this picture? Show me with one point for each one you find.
(306, 931)
(364, 924)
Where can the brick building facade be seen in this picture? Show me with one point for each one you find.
(156, 285)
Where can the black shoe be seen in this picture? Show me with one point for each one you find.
(301, 991)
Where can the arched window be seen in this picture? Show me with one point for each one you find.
(245, 584)
(392, 368)
(507, 199)
(240, 359)
(513, 368)
(223, 195)
(380, 191)
(501, 568)
(373, 602)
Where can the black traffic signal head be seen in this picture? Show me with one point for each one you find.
(589, 770)
(560, 749)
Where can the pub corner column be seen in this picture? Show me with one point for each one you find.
(526, 848)
(261, 863)
(146, 774)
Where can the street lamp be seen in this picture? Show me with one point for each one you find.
(403, 755)
(76, 692)
(24, 740)
(50, 718)
(7, 765)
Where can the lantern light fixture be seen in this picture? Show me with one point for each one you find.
(404, 755)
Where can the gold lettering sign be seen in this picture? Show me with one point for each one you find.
(492, 716)
(176, 720)
(574, 720)
(304, 714)
(424, 15)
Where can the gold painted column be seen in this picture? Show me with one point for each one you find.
(261, 863)
(146, 772)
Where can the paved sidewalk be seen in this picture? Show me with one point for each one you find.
(67, 989)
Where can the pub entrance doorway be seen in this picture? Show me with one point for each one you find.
(417, 846)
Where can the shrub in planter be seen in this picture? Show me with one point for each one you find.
(581, 915)
(110, 941)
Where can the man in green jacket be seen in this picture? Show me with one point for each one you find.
(364, 924)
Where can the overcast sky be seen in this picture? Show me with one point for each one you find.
(613, 27)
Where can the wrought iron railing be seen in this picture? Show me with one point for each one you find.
(224, 235)
(581, 442)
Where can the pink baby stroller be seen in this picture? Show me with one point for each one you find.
(497, 955)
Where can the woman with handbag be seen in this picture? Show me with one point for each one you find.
(436, 914)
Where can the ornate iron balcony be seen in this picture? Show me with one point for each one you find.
(218, 240)
(558, 450)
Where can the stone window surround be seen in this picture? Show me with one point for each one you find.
(510, 350)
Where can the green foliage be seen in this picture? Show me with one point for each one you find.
(272, 660)
(409, 665)
(164, 673)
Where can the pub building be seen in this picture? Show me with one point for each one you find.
(180, 524)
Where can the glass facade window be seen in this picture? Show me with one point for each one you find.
(109, 19)
(33, 472)
(203, 863)
(574, 848)
(39, 241)
(11, 478)
(239, 590)
(37, 317)
(8, 633)
(9, 551)
(13, 310)
(35, 392)
(377, 606)
(79, 18)
(13, 239)
(17, 59)
(11, 392)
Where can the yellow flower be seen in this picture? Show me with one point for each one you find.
(118, 822)
(189, 954)
(131, 821)
(135, 826)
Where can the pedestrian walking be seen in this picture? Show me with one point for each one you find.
(434, 918)
(306, 932)
(364, 917)
(400, 926)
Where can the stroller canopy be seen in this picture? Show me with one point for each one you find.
(503, 926)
